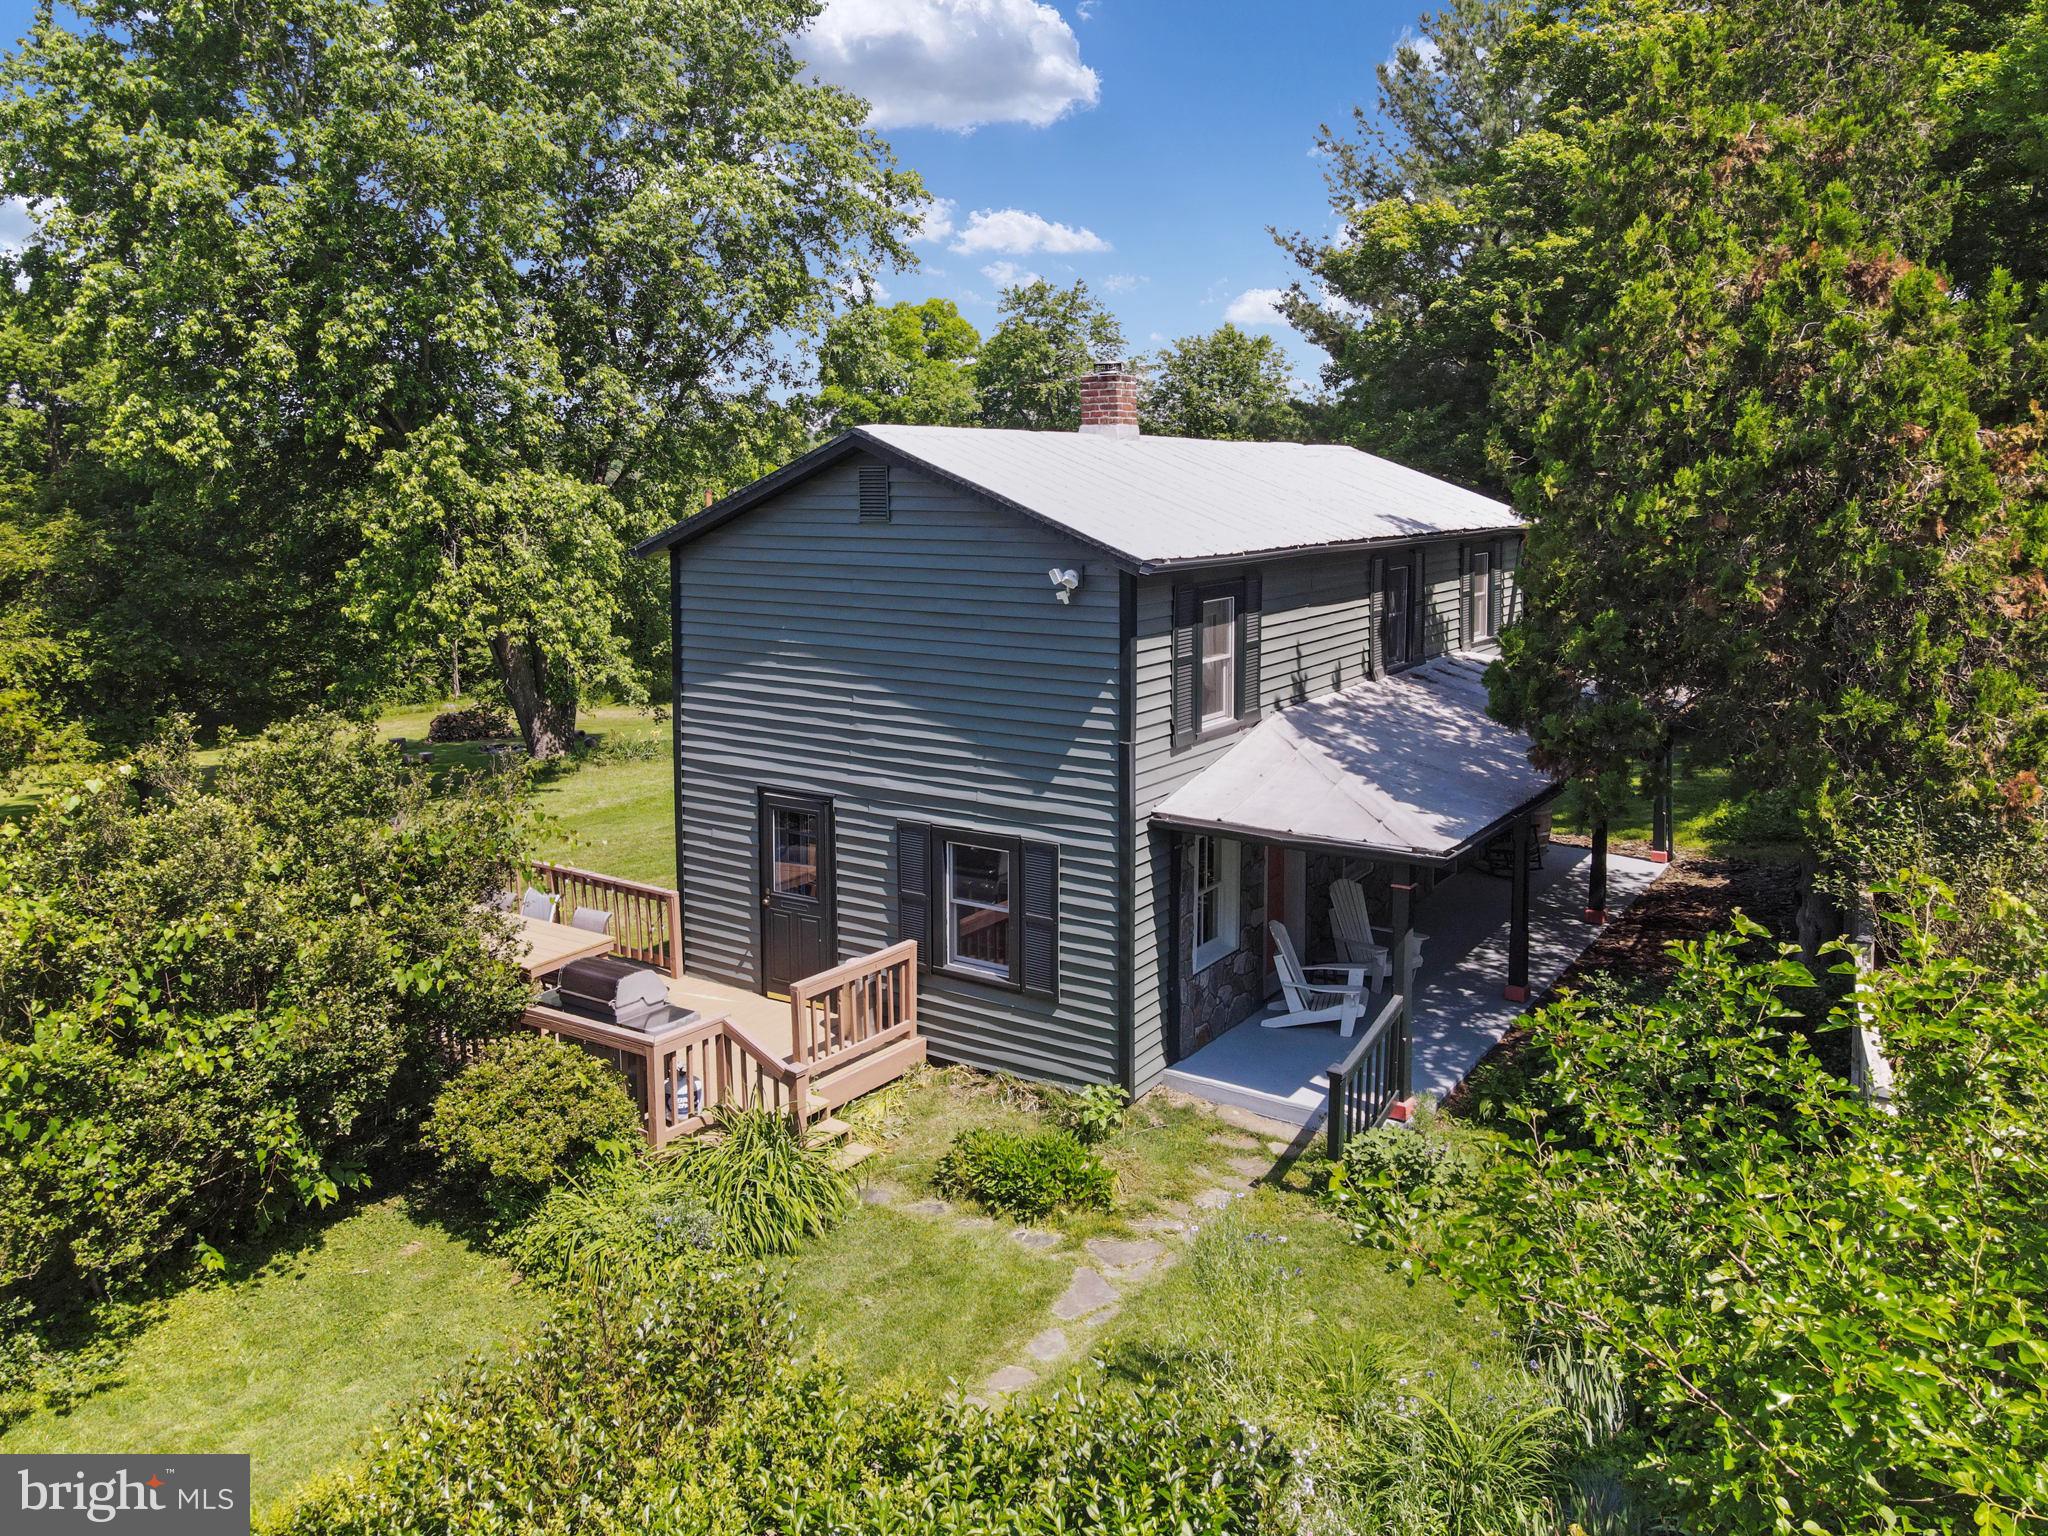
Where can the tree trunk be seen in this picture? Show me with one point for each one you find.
(547, 718)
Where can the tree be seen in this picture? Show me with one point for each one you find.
(1786, 480)
(1226, 384)
(1029, 372)
(438, 305)
(909, 363)
(1787, 1309)
(1453, 237)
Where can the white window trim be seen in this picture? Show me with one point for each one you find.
(1229, 889)
(955, 961)
(1210, 719)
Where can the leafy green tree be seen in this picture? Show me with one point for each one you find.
(1785, 1308)
(1453, 235)
(1995, 85)
(438, 306)
(911, 363)
(1786, 482)
(1029, 372)
(1227, 384)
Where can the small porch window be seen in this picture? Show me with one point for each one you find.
(1217, 921)
(978, 927)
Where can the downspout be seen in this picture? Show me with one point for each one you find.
(675, 723)
(1126, 830)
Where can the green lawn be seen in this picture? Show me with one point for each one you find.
(915, 1298)
(1711, 814)
(300, 1353)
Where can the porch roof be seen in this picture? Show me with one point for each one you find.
(1409, 767)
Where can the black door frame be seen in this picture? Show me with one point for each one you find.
(767, 800)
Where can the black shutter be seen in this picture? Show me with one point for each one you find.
(1375, 608)
(1496, 599)
(1248, 650)
(914, 887)
(1416, 587)
(1040, 948)
(1464, 598)
(874, 493)
(1185, 611)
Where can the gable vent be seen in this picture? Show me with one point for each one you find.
(874, 493)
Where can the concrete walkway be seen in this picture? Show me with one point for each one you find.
(1459, 1011)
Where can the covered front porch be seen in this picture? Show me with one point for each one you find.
(1364, 895)
(1460, 1010)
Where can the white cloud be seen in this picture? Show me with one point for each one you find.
(16, 224)
(1425, 47)
(1256, 306)
(934, 220)
(952, 63)
(1122, 282)
(1086, 10)
(1014, 232)
(1007, 274)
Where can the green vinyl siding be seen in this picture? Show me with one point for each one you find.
(914, 669)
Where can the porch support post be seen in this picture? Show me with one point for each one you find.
(1660, 805)
(1517, 989)
(1596, 875)
(1403, 903)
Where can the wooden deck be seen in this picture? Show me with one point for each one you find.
(842, 1033)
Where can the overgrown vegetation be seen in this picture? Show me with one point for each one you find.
(220, 994)
(529, 1111)
(769, 1188)
(678, 1412)
(1785, 1307)
(1028, 1175)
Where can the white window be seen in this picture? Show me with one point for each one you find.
(1217, 925)
(1219, 661)
(1479, 625)
(978, 927)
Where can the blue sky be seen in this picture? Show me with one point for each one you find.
(1172, 132)
(1144, 145)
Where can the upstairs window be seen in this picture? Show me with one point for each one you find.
(1216, 627)
(1480, 621)
(1218, 644)
(1397, 593)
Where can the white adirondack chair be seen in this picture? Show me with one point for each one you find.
(1315, 1002)
(1353, 927)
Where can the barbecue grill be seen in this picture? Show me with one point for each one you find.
(617, 992)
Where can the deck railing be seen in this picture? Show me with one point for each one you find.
(1365, 1084)
(840, 1015)
(647, 920)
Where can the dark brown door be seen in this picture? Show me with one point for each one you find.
(797, 928)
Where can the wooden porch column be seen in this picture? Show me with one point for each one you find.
(1596, 874)
(1660, 806)
(1402, 889)
(1517, 989)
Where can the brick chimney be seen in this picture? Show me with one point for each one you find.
(1109, 400)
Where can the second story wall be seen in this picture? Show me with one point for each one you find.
(915, 669)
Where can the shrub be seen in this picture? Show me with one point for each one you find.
(221, 997)
(682, 1416)
(479, 722)
(1782, 1288)
(630, 1219)
(768, 1188)
(528, 1111)
(1027, 1176)
(1094, 1114)
(1391, 1176)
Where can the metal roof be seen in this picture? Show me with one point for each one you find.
(1411, 766)
(1160, 501)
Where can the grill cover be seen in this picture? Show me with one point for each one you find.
(615, 991)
